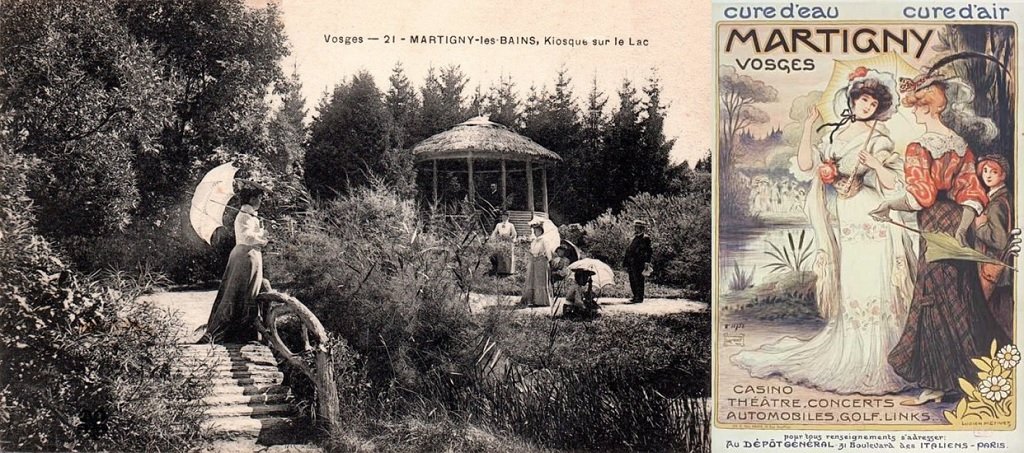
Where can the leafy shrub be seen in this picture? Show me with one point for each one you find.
(614, 383)
(375, 276)
(84, 366)
(680, 231)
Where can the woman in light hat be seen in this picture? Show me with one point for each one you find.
(543, 242)
(949, 322)
(863, 268)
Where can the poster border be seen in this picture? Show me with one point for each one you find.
(715, 227)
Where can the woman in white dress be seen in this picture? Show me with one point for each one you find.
(504, 235)
(543, 242)
(864, 282)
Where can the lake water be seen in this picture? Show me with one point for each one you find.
(747, 248)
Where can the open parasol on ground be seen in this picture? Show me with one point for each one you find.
(210, 199)
(603, 274)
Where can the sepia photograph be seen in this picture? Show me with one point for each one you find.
(354, 226)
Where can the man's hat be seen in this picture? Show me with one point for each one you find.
(639, 222)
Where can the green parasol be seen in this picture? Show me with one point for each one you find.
(942, 246)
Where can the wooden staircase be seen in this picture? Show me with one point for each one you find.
(249, 407)
(521, 220)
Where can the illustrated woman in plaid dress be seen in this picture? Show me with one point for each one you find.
(948, 322)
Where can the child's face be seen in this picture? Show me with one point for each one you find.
(992, 175)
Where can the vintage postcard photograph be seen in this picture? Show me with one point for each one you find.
(866, 226)
(358, 226)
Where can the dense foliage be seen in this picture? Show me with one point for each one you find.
(84, 367)
(374, 276)
(125, 104)
(680, 231)
(360, 131)
(396, 290)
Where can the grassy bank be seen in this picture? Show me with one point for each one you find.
(788, 296)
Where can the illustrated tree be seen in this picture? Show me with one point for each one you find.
(349, 137)
(993, 86)
(737, 96)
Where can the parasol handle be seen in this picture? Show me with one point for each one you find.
(871, 132)
(231, 208)
(903, 226)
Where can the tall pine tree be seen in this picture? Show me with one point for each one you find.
(349, 137)
(620, 162)
(503, 105)
(402, 105)
(653, 155)
(286, 128)
(443, 101)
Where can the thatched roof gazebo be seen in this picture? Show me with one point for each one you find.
(481, 140)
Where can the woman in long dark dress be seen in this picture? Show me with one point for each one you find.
(233, 316)
(537, 289)
(948, 322)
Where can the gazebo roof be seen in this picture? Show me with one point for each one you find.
(481, 138)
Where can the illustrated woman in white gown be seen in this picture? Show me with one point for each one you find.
(864, 282)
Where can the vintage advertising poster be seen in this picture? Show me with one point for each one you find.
(866, 227)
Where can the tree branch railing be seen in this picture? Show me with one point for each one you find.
(273, 306)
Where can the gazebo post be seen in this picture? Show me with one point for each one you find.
(435, 180)
(544, 185)
(529, 186)
(472, 196)
(504, 201)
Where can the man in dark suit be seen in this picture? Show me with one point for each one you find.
(638, 254)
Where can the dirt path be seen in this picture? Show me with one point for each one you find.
(609, 305)
(193, 307)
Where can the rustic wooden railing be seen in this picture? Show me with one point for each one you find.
(273, 305)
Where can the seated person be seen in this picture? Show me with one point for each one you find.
(580, 301)
(559, 265)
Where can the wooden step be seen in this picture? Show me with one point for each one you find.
(235, 389)
(247, 426)
(249, 410)
(261, 398)
(219, 368)
(245, 381)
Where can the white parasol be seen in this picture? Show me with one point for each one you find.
(551, 238)
(210, 199)
(603, 274)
